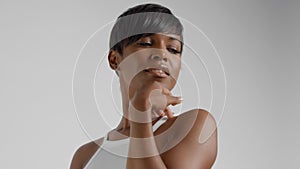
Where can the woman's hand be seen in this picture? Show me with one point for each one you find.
(153, 98)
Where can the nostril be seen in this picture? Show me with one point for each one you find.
(156, 57)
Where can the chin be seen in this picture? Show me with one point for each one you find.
(167, 84)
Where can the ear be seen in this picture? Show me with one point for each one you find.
(114, 59)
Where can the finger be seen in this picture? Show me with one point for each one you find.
(161, 113)
(169, 113)
(166, 91)
(155, 114)
(173, 100)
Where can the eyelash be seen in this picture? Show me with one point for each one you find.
(174, 51)
(144, 44)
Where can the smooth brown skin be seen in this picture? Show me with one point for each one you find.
(189, 152)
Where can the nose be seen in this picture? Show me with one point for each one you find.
(159, 57)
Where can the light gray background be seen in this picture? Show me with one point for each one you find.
(257, 41)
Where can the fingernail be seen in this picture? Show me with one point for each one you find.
(180, 98)
(161, 113)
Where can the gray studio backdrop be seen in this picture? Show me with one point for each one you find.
(257, 42)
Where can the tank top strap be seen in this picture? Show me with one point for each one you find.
(159, 123)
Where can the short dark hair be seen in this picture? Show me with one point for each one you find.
(141, 20)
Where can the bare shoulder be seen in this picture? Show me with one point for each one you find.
(84, 153)
(200, 121)
(199, 113)
(197, 131)
(193, 124)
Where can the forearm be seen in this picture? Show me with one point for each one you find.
(143, 152)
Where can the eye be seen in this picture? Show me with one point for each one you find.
(173, 51)
(144, 43)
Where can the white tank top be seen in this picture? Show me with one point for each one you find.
(113, 154)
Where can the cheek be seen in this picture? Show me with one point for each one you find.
(132, 64)
(176, 66)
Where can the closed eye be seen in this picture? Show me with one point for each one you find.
(144, 44)
(174, 51)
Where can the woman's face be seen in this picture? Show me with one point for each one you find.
(155, 57)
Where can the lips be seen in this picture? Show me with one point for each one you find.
(161, 71)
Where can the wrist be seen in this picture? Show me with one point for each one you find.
(141, 130)
(139, 116)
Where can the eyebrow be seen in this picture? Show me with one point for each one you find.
(172, 38)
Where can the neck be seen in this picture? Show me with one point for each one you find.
(124, 124)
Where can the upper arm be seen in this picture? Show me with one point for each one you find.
(84, 153)
(208, 139)
(77, 159)
(198, 148)
(203, 139)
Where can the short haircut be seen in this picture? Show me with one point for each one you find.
(143, 20)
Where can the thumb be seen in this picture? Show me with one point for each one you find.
(173, 100)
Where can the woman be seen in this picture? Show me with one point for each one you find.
(146, 45)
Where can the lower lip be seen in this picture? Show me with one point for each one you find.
(162, 75)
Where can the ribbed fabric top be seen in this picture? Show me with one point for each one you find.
(113, 154)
